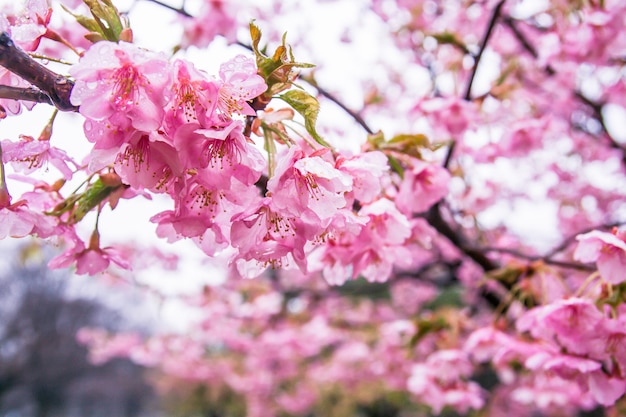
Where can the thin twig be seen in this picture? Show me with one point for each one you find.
(572, 238)
(510, 23)
(535, 258)
(483, 45)
(468, 92)
(179, 10)
(357, 117)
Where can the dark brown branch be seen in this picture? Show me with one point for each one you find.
(483, 45)
(434, 218)
(25, 94)
(357, 117)
(572, 238)
(57, 87)
(180, 10)
(510, 23)
(535, 258)
(596, 108)
(468, 92)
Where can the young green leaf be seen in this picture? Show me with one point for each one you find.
(308, 107)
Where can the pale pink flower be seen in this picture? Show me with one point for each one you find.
(308, 187)
(89, 260)
(450, 114)
(222, 149)
(410, 295)
(267, 238)
(372, 252)
(606, 390)
(8, 106)
(147, 161)
(588, 373)
(18, 220)
(31, 24)
(194, 98)
(367, 171)
(240, 83)
(29, 155)
(575, 324)
(204, 206)
(121, 78)
(442, 381)
(216, 17)
(423, 185)
(607, 250)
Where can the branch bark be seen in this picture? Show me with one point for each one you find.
(56, 87)
(495, 15)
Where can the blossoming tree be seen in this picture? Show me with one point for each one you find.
(385, 259)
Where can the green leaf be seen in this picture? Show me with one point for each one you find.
(106, 20)
(278, 71)
(361, 287)
(426, 326)
(91, 198)
(308, 107)
(86, 22)
(78, 205)
(396, 166)
(451, 39)
(448, 297)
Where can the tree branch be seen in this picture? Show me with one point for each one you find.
(596, 108)
(524, 42)
(570, 239)
(180, 10)
(483, 45)
(357, 117)
(546, 259)
(25, 94)
(435, 219)
(57, 87)
(468, 92)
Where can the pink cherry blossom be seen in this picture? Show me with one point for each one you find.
(31, 24)
(367, 171)
(574, 323)
(607, 250)
(88, 260)
(440, 382)
(450, 114)
(240, 83)
(121, 79)
(308, 187)
(194, 98)
(267, 238)
(8, 106)
(29, 155)
(222, 148)
(148, 161)
(18, 220)
(216, 18)
(423, 185)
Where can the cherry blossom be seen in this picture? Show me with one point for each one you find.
(114, 79)
(432, 217)
(607, 250)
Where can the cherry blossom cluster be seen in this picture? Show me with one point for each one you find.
(469, 256)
